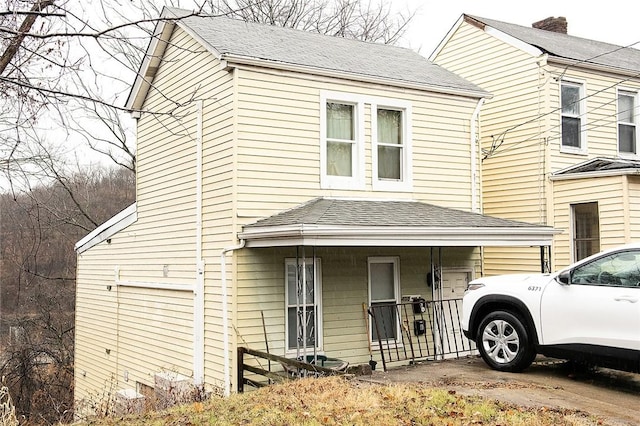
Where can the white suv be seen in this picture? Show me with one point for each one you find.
(588, 312)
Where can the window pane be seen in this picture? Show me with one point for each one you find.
(292, 316)
(382, 281)
(625, 108)
(571, 132)
(570, 100)
(292, 288)
(339, 157)
(627, 138)
(389, 162)
(586, 229)
(385, 321)
(390, 126)
(340, 122)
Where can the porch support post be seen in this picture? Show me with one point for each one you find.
(436, 283)
(545, 259)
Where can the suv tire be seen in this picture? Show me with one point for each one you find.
(504, 343)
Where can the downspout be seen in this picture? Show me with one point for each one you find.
(476, 205)
(198, 301)
(225, 315)
(475, 148)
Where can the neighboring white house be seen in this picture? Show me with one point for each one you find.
(279, 172)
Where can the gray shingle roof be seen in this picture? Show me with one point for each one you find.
(277, 45)
(366, 213)
(570, 47)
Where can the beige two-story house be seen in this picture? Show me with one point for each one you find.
(284, 181)
(559, 140)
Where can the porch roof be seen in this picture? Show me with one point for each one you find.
(599, 167)
(351, 222)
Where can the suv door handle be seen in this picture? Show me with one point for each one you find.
(626, 299)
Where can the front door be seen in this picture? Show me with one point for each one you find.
(451, 342)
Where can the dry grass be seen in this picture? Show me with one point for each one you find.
(337, 401)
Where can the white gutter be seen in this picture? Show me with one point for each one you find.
(595, 174)
(225, 315)
(475, 142)
(198, 294)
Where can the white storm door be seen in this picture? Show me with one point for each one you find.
(453, 343)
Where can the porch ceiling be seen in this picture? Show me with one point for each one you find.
(349, 222)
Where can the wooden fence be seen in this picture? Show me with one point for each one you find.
(284, 368)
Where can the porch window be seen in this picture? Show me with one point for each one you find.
(384, 284)
(627, 104)
(342, 133)
(586, 230)
(391, 147)
(572, 103)
(303, 316)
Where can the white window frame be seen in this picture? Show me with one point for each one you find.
(357, 180)
(318, 303)
(636, 99)
(395, 260)
(405, 184)
(572, 206)
(582, 115)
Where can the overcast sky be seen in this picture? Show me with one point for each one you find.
(613, 21)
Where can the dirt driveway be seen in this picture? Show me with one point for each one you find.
(612, 396)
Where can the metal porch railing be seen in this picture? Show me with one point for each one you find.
(418, 330)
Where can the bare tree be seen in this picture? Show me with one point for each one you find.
(37, 272)
(65, 71)
(66, 65)
(357, 19)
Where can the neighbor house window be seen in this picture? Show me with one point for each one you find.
(627, 104)
(586, 230)
(391, 148)
(572, 101)
(342, 133)
(303, 316)
(383, 294)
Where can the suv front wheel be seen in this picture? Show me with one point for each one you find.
(504, 343)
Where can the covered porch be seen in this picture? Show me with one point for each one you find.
(380, 281)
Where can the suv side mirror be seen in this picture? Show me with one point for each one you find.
(564, 277)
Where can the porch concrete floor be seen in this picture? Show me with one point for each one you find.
(612, 396)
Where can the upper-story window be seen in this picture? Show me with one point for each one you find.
(344, 121)
(627, 104)
(573, 123)
(342, 134)
(391, 140)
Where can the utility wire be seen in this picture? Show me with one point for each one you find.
(499, 140)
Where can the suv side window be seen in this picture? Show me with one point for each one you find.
(617, 270)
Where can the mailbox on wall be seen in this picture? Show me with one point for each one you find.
(419, 327)
(419, 305)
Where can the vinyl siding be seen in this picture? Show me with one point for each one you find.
(512, 176)
(261, 155)
(95, 332)
(279, 142)
(601, 114)
(633, 218)
(344, 278)
(608, 193)
(523, 119)
(149, 330)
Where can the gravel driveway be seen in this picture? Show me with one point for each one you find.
(612, 396)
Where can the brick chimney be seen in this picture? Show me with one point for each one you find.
(557, 25)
